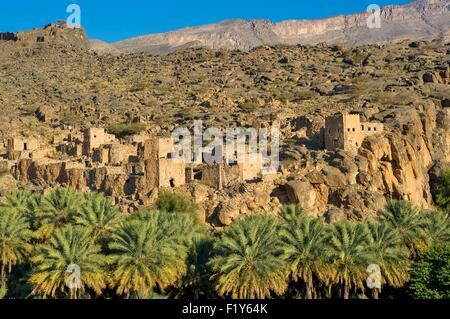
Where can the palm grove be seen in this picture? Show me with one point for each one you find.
(166, 252)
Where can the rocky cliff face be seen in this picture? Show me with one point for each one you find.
(422, 19)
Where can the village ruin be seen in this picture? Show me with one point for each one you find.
(131, 169)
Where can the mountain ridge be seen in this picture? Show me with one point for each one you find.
(418, 20)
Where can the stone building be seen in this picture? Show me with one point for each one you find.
(114, 154)
(160, 169)
(8, 36)
(346, 131)
(50, 33)
(95, 137)
(18, 148)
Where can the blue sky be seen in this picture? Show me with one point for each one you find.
(113, 20)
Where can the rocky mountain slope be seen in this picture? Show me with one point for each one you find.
(421, 19)
(403, 85)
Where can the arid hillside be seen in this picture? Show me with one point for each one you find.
(52, 89)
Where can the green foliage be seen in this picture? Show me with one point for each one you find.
(99, 216)
(3, 292)
(304, 95)
(145, 255)
(437, 227)
(249, 107)
(138, 87)
(304, 240)
(247, 259)
(72, 119)
(167, 252)
(14, 240)
(196, 281)
(443, 196)
(176, 203)
(349, 254)
(409, 222)
(355, 57)
(122, 130)
(68, 246)
(17, 201)
(389, 252)
(430, 277)
(291, 211)
(56, 210)
(393, 98)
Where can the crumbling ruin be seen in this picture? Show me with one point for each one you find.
(127, 169)
(346, 131)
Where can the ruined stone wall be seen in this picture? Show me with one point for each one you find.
(334, 137)
(231, 175)
(54, 32)
(171, 173)
(94, 137)
(371, 128)
(251, 167)
(120, 154)
(18, 144)
(156, 148)
(212, 175)
(8, 36)
(353, 135)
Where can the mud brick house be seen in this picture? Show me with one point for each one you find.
(25, 148)
(346, 131)
(94, 138)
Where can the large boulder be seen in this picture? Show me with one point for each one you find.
(334, 177)
(432, 77)
(303, 193)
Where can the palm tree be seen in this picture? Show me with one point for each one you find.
(390, 254)
(247, 259)
(145, 256)
(349, 255)
(408, 221)
(34, 210)
(58, 209)
(17, 200)
(437, 227)
(68, 248)
(290, 211)
(303, 240)
(14, 240)
(99, 216)
(179, 227)
(196, 282)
